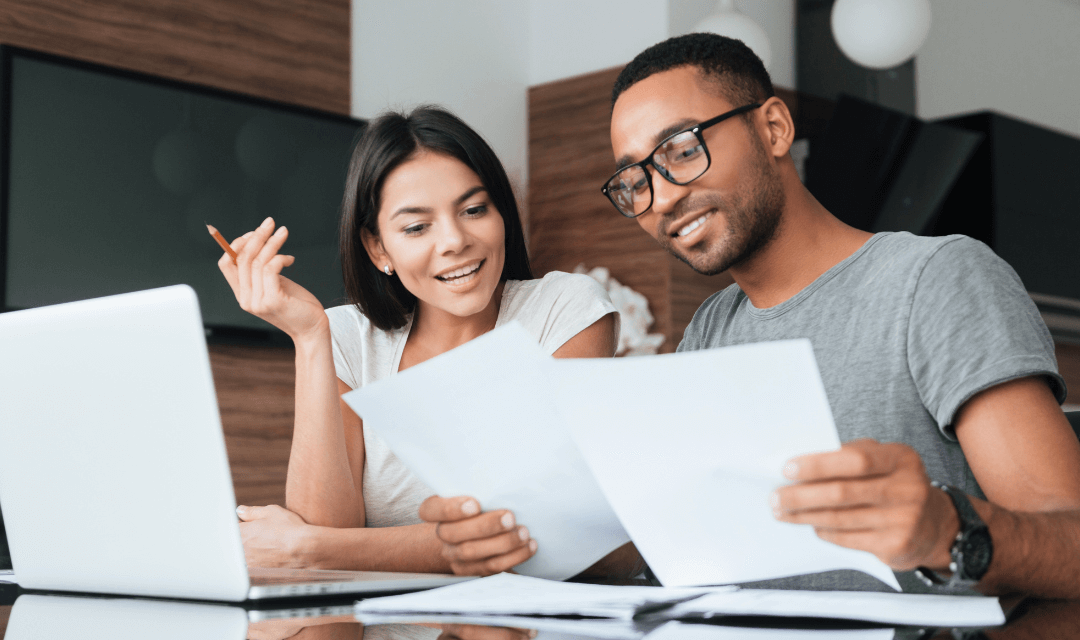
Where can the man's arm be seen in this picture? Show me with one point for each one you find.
(876, 496)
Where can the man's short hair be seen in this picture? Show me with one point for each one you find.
(737, 73)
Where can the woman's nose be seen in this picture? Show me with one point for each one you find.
(452, 238)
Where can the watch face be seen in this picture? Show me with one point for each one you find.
(978, 551)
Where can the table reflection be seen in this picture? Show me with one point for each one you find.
(48, 617)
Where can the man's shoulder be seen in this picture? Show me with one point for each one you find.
(904, 247)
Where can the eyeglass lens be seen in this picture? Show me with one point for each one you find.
(679, 159)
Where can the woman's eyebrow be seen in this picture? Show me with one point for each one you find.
(457, 202)
(468, 194)
(411, 210)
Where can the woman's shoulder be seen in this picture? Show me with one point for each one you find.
(554, 285)
(348, 321)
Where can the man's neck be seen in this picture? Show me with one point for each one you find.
(808, 242)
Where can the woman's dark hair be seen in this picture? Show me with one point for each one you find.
(387, 142)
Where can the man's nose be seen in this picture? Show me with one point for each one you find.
(666, 194)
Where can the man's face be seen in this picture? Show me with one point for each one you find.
(722, 218)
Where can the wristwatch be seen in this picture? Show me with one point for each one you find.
(972, 550)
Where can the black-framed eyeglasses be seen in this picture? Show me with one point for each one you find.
(681, 158)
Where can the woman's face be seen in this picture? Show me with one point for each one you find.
(440, 233)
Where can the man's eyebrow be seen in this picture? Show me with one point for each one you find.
(660, 136)
(457, 202)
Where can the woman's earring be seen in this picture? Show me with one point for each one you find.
(387, 270)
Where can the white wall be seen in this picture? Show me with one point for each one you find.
(470, 56)
(776, 17)
(573, 37)
(1021, 58)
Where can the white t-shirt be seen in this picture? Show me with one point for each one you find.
(554, 309)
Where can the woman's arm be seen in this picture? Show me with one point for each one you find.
(320, 487)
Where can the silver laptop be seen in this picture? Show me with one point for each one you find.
(113, 473)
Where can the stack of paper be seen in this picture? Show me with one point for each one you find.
(509, 594)
(513, 595)
(885, 608)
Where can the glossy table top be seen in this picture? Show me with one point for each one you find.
(45, 616)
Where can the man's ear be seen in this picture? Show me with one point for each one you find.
(373, 246)
(780, 127)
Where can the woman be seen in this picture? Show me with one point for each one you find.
(433, 256)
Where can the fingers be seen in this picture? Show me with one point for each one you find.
(496, 564)
(247, 514)
(854, 459)
(835, 494)
(476, 550)
(484, 525)
(439, 509)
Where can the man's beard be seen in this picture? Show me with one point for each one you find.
(753, 215)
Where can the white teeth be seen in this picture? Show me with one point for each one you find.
(458, 273)
(693, 225)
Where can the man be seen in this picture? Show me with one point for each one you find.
(935, 361)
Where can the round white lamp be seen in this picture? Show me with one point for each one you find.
(880, 34)
(726, 21)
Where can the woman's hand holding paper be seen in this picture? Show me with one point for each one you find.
(474, 542)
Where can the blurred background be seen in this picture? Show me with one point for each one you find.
(932, 116)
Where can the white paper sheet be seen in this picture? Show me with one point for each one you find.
(479, 421)
(885, 608)
(688, 447)
(509, 594)
(682, 631)
(547, 628)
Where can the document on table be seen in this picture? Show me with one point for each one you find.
(479, 420)
(508, 594)
(683, 631)
(546, 627)
(687, 447)
(913, 609)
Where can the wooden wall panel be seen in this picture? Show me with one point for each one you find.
(255, 395)
(284, 50)
(295, 52)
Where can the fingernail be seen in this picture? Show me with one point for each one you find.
(240, 510)
(267, 222)
(532, 545)
(507, 520)
(280, 230)
(470, 508)
(523, 533)
(791, 470)
(533, 633)
(774, 500)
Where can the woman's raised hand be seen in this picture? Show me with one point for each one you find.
(260, 288)
(475, 543)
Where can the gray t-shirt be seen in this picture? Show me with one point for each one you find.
(905, 331)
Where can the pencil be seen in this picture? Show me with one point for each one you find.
(221, 241)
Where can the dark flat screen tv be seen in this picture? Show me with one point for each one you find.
(109, 178)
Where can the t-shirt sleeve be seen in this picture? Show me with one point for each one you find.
(567, 304)
(972, 327)
(345, 341)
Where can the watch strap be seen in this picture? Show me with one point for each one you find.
(969, 521)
